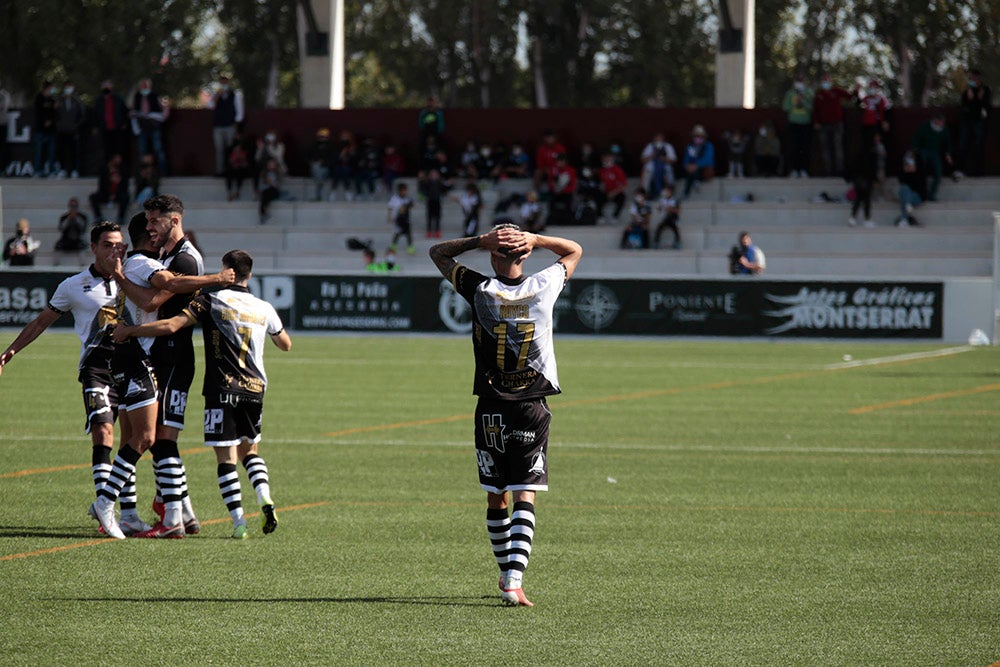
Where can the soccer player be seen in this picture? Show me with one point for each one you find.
(172, 356)
(133, 375)
(90, 296)
(235, 325)
(515, 371)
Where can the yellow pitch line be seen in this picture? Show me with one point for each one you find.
(105, 540)
(906, 402)
(78, 466)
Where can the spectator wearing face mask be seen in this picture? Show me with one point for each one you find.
(798, 105)
(874, 120)
(932, 142)
(45, 130)
(149, 112)
(828, 120)
(69, 120)
(269, 148)
(699, 160)
(767, 151)
(226, 104)
(111, 116)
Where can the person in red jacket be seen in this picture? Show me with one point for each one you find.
(613, 186)
(873, 114)
(545, 157)
(562, 186)
(828, 119)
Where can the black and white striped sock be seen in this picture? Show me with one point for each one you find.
(498, 525)
(257, 472)
(522, 533)
(100, 466)
(122, 468)
(229, 487)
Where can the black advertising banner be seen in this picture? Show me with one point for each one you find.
(735, 307)
(24, 294)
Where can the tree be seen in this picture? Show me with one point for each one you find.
(260, 44)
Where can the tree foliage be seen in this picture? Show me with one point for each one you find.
(500, 53)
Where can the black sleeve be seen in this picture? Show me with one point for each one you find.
(465, 281)
(184, 264)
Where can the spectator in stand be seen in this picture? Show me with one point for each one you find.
(20, 248)
(737, 152)
(112, 122)
(112, 188)
(320, 158)
(69, 120)
(392, 166)
(399, 214)
(73, 226)
(343, 164)
(746, 258)
(428, 155)
(658, 159)
(587, 158)
(271, 178)
(613, 186)
(671, 209)
(798, 105)
(270, 148)
(147, 179)
(45, 131)
(932, 142)
(636, 234)
(975, 114)
(471, 202)
(863, 176)
(367, 169)
(487, 164)
(149, 112)
(531, 214)
(562, 187)
(431, 122)
(828, 120)
(433, 190)
(440, 163)
(468, 160)
(516, 163)
(545, 157)
(874, 117)
(699, 160)
(912, 190)
(226, 104)
(240, 166)
(767, 151)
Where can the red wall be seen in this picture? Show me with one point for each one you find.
(190, 152)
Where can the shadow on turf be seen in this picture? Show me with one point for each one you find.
(70, 532)
(434, 600)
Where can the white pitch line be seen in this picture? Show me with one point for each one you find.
(930, 354)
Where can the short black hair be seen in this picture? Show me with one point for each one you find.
(164, 204)
(240, 262)
(103, 227)
(137, 233)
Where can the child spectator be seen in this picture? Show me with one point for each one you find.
(636, 234)
(399, 214)
(239, 166)
(392, 166)
(433, 190)
(737, 152)
(912, 190)
(531, 214)
(270, 188)
(472, 203)
(613, 186)
(671, 214)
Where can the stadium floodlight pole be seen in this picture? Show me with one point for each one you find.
(996, 278)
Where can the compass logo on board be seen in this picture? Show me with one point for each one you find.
(597, 306)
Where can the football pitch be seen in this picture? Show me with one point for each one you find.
(711, 503)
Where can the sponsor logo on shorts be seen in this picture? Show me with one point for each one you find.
(134, 388)
(487, 468)
(178, 402)
(522, 436)
(538, 465)
(213, 421)
(493, 427)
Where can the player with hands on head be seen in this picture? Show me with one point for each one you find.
(515, 371)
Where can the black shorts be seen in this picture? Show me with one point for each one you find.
(134, 380)
(174, 368)
(231, 420)
(512, 441)
(100, 396)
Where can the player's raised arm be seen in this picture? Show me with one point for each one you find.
(569, 251)
(29, 333)
(165, 327)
